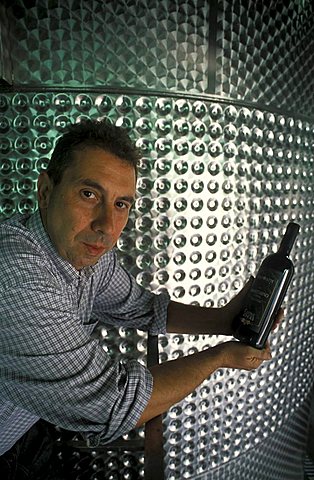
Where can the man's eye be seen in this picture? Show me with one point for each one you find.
(88, 194)
(122, 205)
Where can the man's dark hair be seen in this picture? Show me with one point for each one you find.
(91, 133)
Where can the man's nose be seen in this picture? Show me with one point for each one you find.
(104, 221)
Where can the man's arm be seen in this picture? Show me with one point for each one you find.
(211, 321)
(197, 320)
(174, 380)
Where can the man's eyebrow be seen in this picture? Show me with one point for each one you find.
(91, 183)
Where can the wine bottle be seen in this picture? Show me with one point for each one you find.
(262, 302)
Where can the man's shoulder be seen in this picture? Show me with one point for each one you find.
(16, 221)
(15, 236)
(22, 254)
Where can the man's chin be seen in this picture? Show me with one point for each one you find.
(87, 256)
(88, 261)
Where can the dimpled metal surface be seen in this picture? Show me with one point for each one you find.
(217, 185)
(250, 51)
(124, 43)
(265, 53)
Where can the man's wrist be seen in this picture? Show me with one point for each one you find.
(226, 318)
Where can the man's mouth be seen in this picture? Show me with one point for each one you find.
(94, 250)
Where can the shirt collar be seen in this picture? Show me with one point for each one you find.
(35, 225)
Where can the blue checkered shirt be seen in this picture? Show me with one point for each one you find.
(51, 367)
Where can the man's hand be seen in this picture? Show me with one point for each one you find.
(241, 356)
(279, 318)
(233, 308)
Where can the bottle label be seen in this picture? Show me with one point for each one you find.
(261, 300)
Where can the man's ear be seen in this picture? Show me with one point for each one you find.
(44, 189)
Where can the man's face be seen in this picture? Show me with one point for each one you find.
(86, 212)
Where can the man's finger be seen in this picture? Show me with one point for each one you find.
(279, 318)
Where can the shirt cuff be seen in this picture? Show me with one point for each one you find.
(159, 326)
(137, 384)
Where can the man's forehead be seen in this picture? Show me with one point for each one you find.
(99, 169)
(84, 159)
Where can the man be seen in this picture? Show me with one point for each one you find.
(59, 278)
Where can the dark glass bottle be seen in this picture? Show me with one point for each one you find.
(262, 302)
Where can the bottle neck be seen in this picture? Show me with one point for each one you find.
(285, 247)
(289, 238)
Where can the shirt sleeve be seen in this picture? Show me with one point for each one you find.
(120, 301)
(52, 368)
